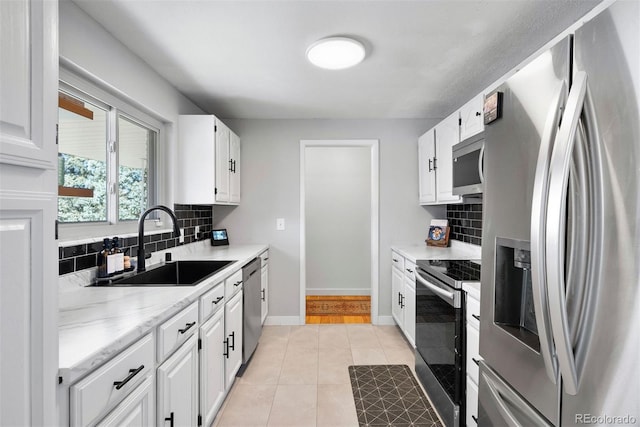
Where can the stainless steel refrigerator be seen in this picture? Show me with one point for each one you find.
(560, 313)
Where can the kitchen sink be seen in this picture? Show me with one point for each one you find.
(176, 273)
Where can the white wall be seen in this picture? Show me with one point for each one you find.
(88, 46)
(271, 189)
(338, 220)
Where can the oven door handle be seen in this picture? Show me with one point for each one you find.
(450, 296)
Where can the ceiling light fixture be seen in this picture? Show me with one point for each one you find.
(336, 53)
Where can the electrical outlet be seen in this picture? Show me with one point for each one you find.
(181, 238)
(280, 224)
(197, 232)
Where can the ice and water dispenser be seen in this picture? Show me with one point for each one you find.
(514, 310)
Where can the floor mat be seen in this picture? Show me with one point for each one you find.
(389, 395)
(338, 305)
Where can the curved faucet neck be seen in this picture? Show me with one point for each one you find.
(141, 251)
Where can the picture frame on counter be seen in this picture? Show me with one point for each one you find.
(219, 237)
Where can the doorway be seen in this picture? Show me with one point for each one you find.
(339, 222)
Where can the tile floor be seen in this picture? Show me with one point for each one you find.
(299, 374)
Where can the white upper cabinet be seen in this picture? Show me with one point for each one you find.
(447, 135)
(472, 117)
(435, 162)
(427, 175)
(208, 162)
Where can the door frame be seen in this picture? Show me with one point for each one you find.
(373, 145)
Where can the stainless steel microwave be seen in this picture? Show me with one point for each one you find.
(468, 164)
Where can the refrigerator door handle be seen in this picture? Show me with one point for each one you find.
(481, 165)
(555, 232)
(538, 224)
(503, 397)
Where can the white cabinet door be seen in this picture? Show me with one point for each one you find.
(212, 387)
(28, 204)
(447, 135)
(410, 310)
(223, 163)
(136, 410)
(397, 284)
(264, 279)
(233, 338)
(472, 403)
(177, 381)
(472, 117)
(426, 173)
(234, 173)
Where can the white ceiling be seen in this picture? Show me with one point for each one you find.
(246, 59)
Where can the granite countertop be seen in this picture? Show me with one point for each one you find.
(457, 250)
(95, 323)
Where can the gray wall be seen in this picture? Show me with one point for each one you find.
(338, 220)
(271, 189)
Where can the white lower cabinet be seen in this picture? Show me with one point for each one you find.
(233, 338)
(137, 409)
(177, 381)
(212, 367)
(99, 392)
(264, 280)
(473, 358)
(403, 298)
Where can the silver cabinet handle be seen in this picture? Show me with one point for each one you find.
(538, 227)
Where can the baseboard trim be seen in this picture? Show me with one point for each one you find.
(385, 320)
(341, 291)
(282, 320)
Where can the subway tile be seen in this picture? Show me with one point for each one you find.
(149, 248)
(72, 251)
(86, 261)
(66, 266)
(161, 245)
(94, 247)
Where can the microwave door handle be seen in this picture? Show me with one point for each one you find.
(449, 296)
(481, 165)
(538, 224)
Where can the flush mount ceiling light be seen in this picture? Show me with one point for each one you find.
(336, 53)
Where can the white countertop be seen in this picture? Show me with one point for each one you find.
(95, 323)
(456, 250)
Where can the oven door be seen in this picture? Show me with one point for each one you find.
(439, 345)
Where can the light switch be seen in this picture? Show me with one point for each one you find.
(280, 224)
(181, 238)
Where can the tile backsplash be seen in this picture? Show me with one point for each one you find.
(79, 257)
(466, 222)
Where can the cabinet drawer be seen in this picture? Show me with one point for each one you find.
(473, 352)
(473, 312)
(211, 301)
(176, 330)
(108, 385)
(232, 284)
(410, 269)
(472, 403)
(397, 261)
(264, 257)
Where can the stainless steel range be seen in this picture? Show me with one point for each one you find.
(440, 336)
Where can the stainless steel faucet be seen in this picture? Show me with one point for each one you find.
(176, 228)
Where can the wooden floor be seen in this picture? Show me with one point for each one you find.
(339, 319)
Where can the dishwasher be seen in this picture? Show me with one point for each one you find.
(252, 310)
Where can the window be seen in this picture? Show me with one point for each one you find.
(106, 161)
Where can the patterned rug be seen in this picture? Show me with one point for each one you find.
(389, 395)
(338, 306)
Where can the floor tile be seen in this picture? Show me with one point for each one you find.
(400, 356)
(304, 336)
(368, 356)
(333, 365)
(336, 407)
(390, 336)
(333, 336)
(264, 367)
(362, 336)
(300, 366)
(257, 397)
(294, 405)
